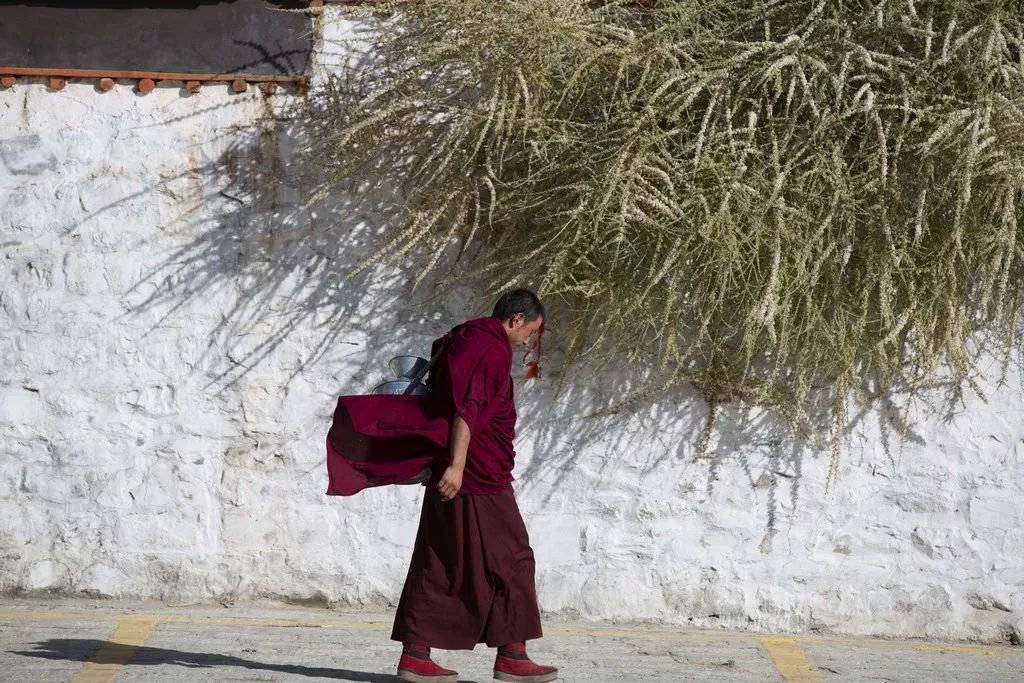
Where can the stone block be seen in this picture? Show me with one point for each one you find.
(84, 147)
(100, 193)
(32, 271)
(250, 528)
(561, 542)
(711, 604)
(84, 274)
(12, 304)
(41, 352)
(152, 401)
(1016, 632)
(393, 538)
(165, 530)
(934, 599)
(1001, 513)
(122, 274)
(1013, 542)
(46, 574)
(558, 587)
(27, 155)
(11, 472)
(945, 543)
(114, 491)
(49, 484)
(619, 591)
(73, 403)
(21, 213)
(919, 500)
(161, 487)
(91, 454)
(103, 580)
(985, 601)
(21, 406)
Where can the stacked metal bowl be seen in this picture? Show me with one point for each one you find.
(408, 371)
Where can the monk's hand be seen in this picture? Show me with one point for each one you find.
(451, 482)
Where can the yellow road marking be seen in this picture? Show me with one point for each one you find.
(906, 645)
(964, 649)
(789, 660)
(131, 632)
(596, 632)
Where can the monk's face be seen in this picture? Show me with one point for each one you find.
(520, 331)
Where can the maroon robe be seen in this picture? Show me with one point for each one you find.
(377, 440)
(471, 578)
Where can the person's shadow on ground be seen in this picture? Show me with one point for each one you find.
(102, 652)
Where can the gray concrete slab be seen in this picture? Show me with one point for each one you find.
(864, 664)
(55, 640)
(48, 650)
(250, 653)
(618, 657)
(261, 653)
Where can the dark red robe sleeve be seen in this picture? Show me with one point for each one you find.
(475, 375)
(376, 440)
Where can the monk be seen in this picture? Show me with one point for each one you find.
(471, 578)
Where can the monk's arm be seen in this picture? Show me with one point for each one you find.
(451, 481)
(459, 442)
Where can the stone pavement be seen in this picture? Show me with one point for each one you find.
(88, 641)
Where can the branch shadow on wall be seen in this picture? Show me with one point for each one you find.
(283, 265)
(655, 450)
(662, 446)
(278, 261)
(101, 652)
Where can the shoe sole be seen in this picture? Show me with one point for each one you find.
(414, 677)
(535, 678)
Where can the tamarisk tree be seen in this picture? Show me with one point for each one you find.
(780, 202)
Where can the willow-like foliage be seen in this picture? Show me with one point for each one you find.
(775, 201)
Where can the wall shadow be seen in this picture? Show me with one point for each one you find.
(284, 264)
(281, 257)
(664, 436)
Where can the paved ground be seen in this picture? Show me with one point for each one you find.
(93, 642)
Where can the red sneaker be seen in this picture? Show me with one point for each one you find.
(514, 665)
(416, 666)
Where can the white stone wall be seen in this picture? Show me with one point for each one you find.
(175, 326)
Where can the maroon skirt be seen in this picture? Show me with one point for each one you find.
(471, 579)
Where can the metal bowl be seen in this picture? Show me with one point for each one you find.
(398, 386)
(406, 367)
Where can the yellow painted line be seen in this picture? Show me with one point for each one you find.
(959, 649)
(910, 645)
(117, 651)
(789, 660)
(595, 632)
